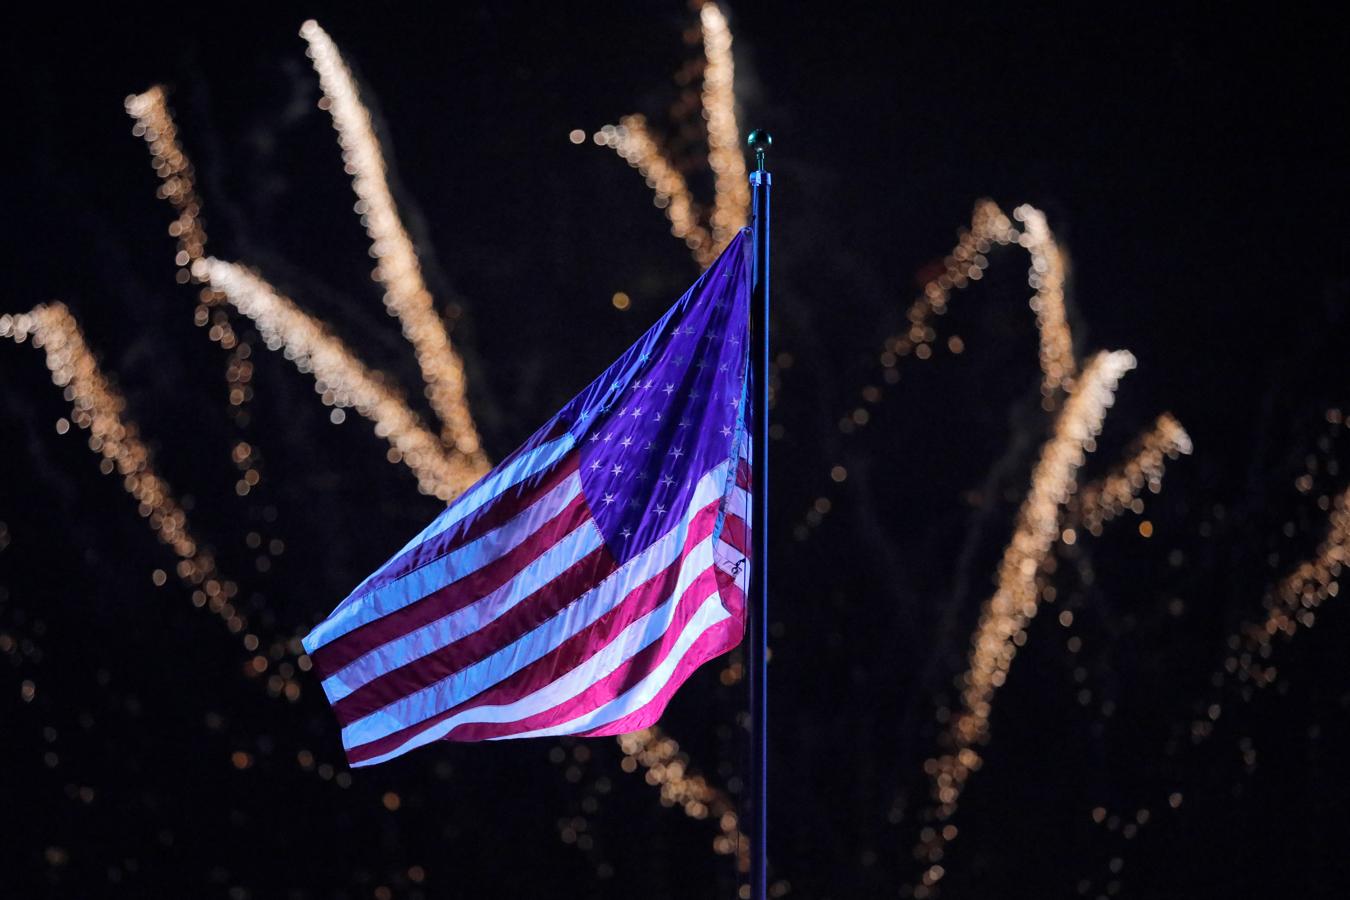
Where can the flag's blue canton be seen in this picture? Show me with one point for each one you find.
(669, 411)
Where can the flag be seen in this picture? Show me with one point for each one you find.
(579, 583)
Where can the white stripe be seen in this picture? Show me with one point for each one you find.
(577, 616)
(709, 614)
(495, 482)
(738, 503)
(359, 609)
(464, 621)
(491, 485)
(628, 643)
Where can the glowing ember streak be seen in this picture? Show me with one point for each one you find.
(397, 266)
(99, 408)
(989, 227)
(631, 140)
(1047, 276)
(725, 156)
(668, 769)
(966, 263)
(1101, 501)
(341, 378)
(1004, 618)
(1291, 604)
(1294, 601)
(154, 123)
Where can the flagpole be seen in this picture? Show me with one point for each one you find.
(760, 182)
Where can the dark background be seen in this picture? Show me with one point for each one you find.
(1192, 161)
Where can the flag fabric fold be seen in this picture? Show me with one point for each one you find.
(579, 583)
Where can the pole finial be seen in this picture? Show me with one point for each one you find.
(759, 141)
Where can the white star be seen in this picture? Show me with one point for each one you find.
(735, 401)
(685, 423)
(623, 412)
(607, 499)
(617, 470)
(726, 431)
(595, 465)
(722, 367)
(637, 385)
(627, 442)
(660, 509)
(693, 396)
(636, 412)
(627, 533)
(677, 453)
(668, 389)
(650, 446)
(667, 481)
(648, 386)
(609, 437)
(595, 437)
(656, 418)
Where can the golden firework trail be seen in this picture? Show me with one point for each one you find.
(341, 378)
(633, 140)
(1005, 616)
(1101, 501)
(99, 408)
(396, 265)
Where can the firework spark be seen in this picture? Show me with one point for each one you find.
(397, 267)
(1101, 501)
(1005, 616)
(633, 140)
(1294, 601)
(99, 408)
(1291, 604)
(668, 769)
(178, 185)
(989, 227)
(341, 378)
(731, 191)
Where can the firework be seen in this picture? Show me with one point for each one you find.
(342, 379)
(1005, 616)
(396, 265)
(634, 142)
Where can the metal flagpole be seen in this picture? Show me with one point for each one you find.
(760, 182)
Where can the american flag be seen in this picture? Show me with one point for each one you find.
(581, 581)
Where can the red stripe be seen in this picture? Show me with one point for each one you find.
(743, 474)
(736, 533)
(567, 656)
(495, 513)
(522, 618)
(716, 640)
(475, 585)
(613, 685)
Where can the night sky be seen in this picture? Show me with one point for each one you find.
(1193, 167)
